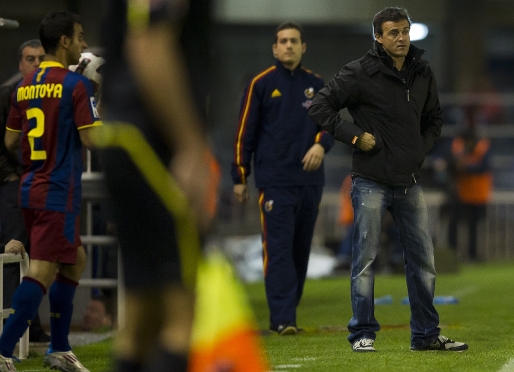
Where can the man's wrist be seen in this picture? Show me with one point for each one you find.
(357, 140)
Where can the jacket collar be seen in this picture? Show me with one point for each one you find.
(280, 67)
(371, 60)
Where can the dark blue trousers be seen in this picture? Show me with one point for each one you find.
(288, 217)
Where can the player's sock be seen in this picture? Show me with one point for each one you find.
(25, 303)
(61, 295)
(127, 366)
(165, 361)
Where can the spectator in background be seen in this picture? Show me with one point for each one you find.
(345, 219)
(473, 184)
(99, 315)
(12, 226)
(288, 150)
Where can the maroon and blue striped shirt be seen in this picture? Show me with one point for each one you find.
(49, 108)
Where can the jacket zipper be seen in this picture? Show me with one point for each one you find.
(406, 86)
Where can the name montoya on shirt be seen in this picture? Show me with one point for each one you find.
(39, 91)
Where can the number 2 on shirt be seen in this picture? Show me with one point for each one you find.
(37, 132)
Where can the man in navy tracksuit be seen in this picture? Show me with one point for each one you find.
(288, 149)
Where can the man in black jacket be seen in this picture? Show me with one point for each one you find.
(392, 96)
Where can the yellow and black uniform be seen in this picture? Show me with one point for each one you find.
(146, 230)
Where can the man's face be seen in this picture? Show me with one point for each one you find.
(395, 38)
(289, 47)
(30, 59)
(77, 45)
(95, 316)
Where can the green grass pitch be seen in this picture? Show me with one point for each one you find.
(483, 318)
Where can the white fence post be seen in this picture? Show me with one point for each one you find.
(5, 258)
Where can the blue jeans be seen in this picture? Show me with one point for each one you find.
(408, 208)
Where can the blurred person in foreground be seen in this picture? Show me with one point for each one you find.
(12, 226)
(392, 96)
(288, 150)
(52, 116)
(146, 85)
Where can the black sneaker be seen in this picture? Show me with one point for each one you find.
(285, 330)
(363, 345)
(443, 343)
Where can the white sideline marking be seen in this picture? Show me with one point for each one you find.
(284, 366)
(306, 359)
(508, 367)
(465, 291)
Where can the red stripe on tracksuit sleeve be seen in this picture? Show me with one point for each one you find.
(243, 124)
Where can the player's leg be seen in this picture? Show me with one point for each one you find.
(411, 217)
(369, 200)
(151, 265)
(305, 220)
(55, 237)
(172, 312)
(33, 287)
(61, 295)
(25, 303)
(137, 339)
(277, 206)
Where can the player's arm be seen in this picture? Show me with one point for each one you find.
(16, 247)
(155, 58)
(13, 129)
(313, 158)
(241, 192)
(245, 141)
(86, 135)
(12, 141)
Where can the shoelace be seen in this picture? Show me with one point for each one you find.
(366, 342)
(443, 339)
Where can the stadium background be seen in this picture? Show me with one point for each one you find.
(469, 45)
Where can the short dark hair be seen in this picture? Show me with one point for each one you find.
(394, 14)
(54, 26)
(34, 43)
(289, 24)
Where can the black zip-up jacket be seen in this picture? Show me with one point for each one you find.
(8, 163)
(403, 114)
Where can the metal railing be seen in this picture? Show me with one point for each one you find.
(93, 188)
(5, 258)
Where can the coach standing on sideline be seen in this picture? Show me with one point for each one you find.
(392, 96)
(288, 150)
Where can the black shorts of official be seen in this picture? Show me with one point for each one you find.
(146, 230)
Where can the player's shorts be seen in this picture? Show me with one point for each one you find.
(146, 230)
(54, 236)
